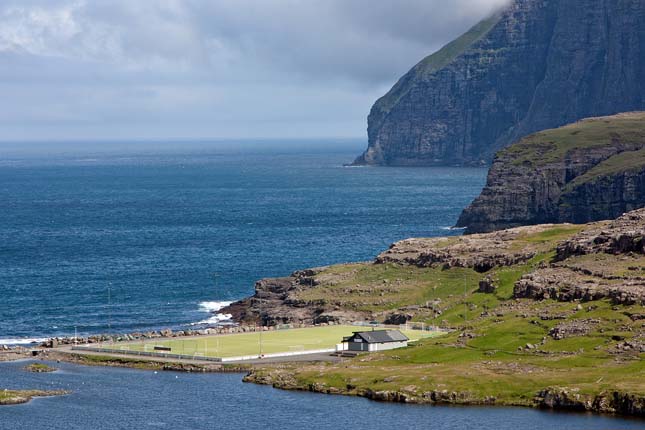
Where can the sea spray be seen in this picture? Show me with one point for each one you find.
(213, 307)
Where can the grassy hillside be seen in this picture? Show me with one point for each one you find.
(553, 145)
(504, 349)
(383, 288)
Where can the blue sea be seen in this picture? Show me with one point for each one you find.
(99, 237)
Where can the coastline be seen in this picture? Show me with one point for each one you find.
(557, 399)
(282, 376)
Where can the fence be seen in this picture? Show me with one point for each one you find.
(146, 353)
(202, 357)
(407, 326)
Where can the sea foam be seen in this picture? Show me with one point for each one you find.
(23, 341)
(453, 228)
(213, 308)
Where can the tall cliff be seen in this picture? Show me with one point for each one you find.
(537, 64)
(587, 171)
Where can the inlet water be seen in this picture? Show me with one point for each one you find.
(112, 398)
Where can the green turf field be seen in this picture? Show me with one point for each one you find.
(243, 344)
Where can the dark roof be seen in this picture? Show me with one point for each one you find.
(380, 336)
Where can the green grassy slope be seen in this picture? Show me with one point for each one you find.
(502, 349)
(366, 287)
(553, 145)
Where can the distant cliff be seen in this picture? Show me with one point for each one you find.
(538, 64)
(587, 171)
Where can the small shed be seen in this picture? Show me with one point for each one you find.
(375, 340)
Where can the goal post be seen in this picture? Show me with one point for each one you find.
(414, 326)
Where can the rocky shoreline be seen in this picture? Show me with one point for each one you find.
(554, 398)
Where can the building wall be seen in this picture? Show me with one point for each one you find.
(373, 347)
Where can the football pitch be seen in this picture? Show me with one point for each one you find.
(246, 344)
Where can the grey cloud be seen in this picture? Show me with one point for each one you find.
(197, 67)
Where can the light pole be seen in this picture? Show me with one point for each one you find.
(110, 310)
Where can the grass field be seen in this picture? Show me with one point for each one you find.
(243, 344)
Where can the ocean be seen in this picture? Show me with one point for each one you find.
(101, 237)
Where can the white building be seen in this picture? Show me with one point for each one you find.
(375, 340)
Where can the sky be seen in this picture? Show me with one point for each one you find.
(193, 69)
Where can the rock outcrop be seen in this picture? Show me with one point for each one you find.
(609, 402)
(480, 252)
(566, 285)
(587, 171)
(276, 302)
(537, 64)
(604, 261)
(624, 235)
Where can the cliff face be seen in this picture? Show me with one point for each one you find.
(587, 171)
(538, 64)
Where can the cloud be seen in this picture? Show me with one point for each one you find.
(176, 60)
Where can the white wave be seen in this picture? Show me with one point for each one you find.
(453, 228)
(23, 341)
(217, 319)
(212, 306)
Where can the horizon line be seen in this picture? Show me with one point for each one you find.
(178, 139)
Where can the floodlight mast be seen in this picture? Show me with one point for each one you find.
(261, 330)
(110, 310)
